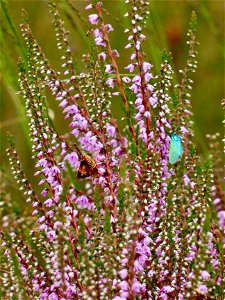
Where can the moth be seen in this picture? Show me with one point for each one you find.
(88, 166)
(176, 149)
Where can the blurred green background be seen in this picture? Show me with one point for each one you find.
(166, 29)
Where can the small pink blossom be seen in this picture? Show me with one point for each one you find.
(102, 55)
(168, 289)
(93, 19)
(146, 66)
(123, 273)
(108, 69)
(130, 68)
(128, 46)
(202, 288)
(110, 82)
(89, 6)
(205, 275)
(109, 27)
(126, 79)
(115, 53)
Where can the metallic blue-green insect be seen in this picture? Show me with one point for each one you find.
(176, 149)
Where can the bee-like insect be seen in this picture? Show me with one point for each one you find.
(88, 166)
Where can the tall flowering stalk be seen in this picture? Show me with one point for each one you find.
(139, 227)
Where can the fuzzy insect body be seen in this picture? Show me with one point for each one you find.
(88, 166)
(176, 149)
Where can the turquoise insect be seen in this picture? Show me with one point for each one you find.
(176, 149)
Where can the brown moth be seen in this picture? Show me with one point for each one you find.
(88, 166)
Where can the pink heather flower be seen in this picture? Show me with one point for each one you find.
(202, 288)
(102, 55)
(128, 46)
(148, 76)
(142, 37)
(146, 66)
(115, 53)
(130, 68)
(192, 185)
(101, 171)
(138, 45)
(75, 132)
(221, 217)
(34, 212)
(93, 19)
(152, 101)
(147, 114)
(41, 219)
(123, 273)
(76, 96)
(205, 275)
(49, 202)
(138, 100)
(110, 82)
(133, 56)
(44, 192)
(72, 158)
(100, 41)
(136, 287)
(124, 285)
(53, 296)
(98, 33)
(50, 213)
(183, 130)
(126, 79)
(6, 252)
(89, 6)
(51, 235)
(186, 179)
(63, 103)
(216, 201)
(167, 289)
(111, 130)
(108, 69)
(109, 27)
(71, 110)
(150, 87)
(83, 202)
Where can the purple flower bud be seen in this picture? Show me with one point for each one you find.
(202, 288)
(102, 55)
(146, 66)
(89, 6)
(115, 53)
(130, 68)
(93, 19)
(110, 82)
(108, 69)
(109, 27)
(205, 275)
(167, 289)
(136, 287)
(123, 273)
(126, 79)
(111, 130)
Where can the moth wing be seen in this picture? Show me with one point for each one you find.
(180, 147)
(175, 151)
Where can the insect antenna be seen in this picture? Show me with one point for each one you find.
(79, 153)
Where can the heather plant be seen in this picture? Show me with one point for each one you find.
(114, 219)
